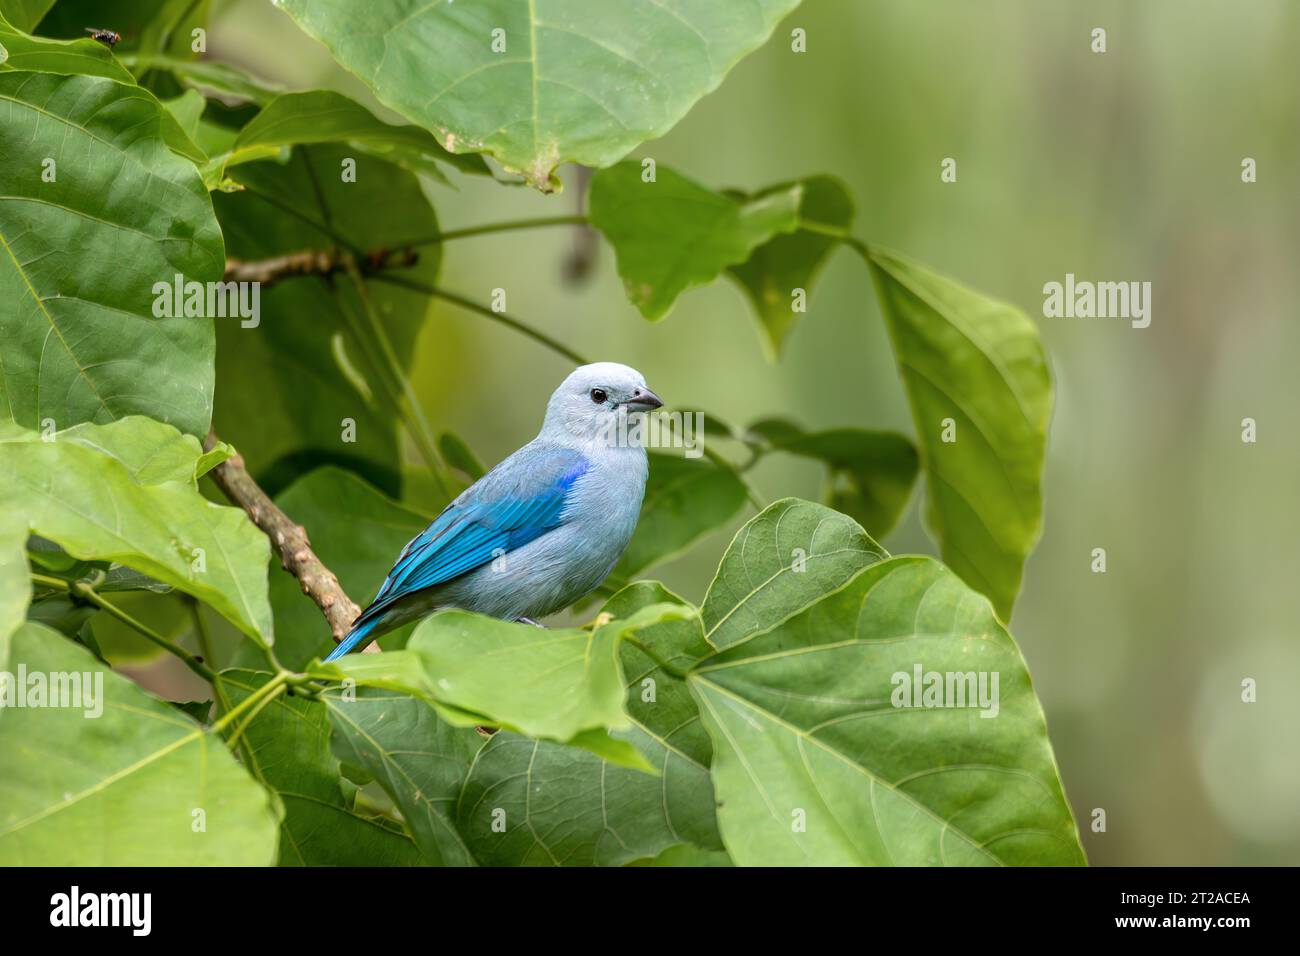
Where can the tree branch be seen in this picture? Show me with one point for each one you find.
(290, 542)
(315, 262)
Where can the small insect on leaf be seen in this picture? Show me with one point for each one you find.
(109, 38)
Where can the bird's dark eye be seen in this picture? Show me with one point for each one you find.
(598, 396)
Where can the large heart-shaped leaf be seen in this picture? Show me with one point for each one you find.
(287, 748)
(140, 784)
(79, 257)
(830, 748)
(537, 83)
(88, 501)
(981, 397)
(671, 234)
(778, 564)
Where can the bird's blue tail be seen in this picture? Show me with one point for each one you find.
(355, 638)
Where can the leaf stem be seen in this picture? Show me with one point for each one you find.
(269, 689)
(471, 306)
(200, 629)
(85, 592)
(491, 227)
(853, 242)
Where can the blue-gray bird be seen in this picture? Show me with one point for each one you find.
(539, 530)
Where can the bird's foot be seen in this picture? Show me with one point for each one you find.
(529, 620)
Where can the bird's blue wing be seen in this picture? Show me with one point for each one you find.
(516, 502)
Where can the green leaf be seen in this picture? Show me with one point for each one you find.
(980, 363)
(169, 24)
(672, 234)
(541, 682)
(665, 719)
(312, 372)
(79, 258)
(19, 51)
(357, 532)
(816, 763)
(287, 748)
(792, 260)
(188, 111)
(152, 453)
(782, 561)
(685, 498)
(88, 57)
(419, 760)
(209, 77)
(74, 494)
(24, 14)
(321, 116)
(565, 806)
(400, 670)
(568, 86)
(560, 806)
(219, 452)
(654, 657)
(460, 456)
(564, 685)
(126, 788)
(869, 474)
(59, 613)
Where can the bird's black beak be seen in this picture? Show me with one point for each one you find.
(643, 400)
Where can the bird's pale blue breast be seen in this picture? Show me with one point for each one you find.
(516, 502)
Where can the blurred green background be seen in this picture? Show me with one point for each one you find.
(1117, 166)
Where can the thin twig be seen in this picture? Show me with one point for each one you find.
(80, 590)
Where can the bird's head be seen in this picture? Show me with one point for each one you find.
(592, 402)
